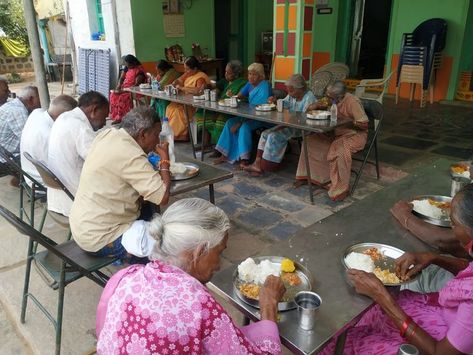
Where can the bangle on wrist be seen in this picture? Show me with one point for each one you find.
(164, 161)
(162, 169)
(406, 221)
(405, 325)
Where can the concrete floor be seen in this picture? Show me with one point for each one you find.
(262, 211)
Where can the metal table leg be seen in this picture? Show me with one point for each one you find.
(203, 132)
(211, 194)
(190, 131)
(306, 158)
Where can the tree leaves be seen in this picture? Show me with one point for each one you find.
(12, 20)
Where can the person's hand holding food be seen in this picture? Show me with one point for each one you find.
(269, 296)
(366, 284)
(409, 264)
(271, 100)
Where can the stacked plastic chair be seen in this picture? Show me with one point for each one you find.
(420, 57)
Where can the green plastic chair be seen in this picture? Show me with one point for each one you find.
(65, 263)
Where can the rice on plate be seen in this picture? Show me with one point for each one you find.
(249, 271)
(360, 261)
(427, 209)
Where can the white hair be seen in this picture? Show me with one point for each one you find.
(186, 225)
(28, 92)
(297, 81)
(257, 68)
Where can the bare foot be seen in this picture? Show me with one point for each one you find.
(243, 165)
(299, 183)
(340, 197)
(222, 159)
(252, 169)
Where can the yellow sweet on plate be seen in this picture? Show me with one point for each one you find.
(287, 265)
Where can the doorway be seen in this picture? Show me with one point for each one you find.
(228, 29)
(369, 43)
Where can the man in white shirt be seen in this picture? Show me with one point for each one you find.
(35, 134)
(71, 137)
(13, 116)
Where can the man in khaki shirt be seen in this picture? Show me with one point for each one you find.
(115, 179)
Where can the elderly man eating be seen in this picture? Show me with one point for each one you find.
(330, 156)
(35, 135)
(70, 139)
(115, 180)
(13, 116)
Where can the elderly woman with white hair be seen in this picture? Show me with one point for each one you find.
(273, 142)
(330, 156)
(164, 307)
(235, 142)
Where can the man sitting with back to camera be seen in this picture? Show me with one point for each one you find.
(107, 216)
(70, 139)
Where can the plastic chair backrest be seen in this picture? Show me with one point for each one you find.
(49, 179)
(422, 35)
(339, 70)
(320, 80)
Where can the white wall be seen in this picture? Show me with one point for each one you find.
(125, 27)
(81, 30)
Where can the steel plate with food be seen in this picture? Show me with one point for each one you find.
(318, 115)
(265, 107)
(461, 169)
(433, 209)
(183, 171)
(250, 275)
(375, 258)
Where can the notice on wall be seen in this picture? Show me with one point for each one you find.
(174, 25)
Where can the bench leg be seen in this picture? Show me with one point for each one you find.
(24, 300)
(203, 135)
(190, 131)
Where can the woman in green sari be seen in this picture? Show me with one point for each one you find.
(214, 123)
(166, 76)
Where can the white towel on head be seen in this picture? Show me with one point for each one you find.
(137, 241)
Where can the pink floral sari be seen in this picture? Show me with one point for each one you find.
(159, 309)
(448, 313)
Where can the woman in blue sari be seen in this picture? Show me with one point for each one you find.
(235, 142)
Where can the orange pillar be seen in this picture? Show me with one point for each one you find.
(293, 20)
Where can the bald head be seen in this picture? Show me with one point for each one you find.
(61, 104)
(4, 90)
(30, 97)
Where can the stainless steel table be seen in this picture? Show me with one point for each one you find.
(296, 120)
(208, 176)
(322, 245)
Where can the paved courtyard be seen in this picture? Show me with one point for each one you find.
(262, 210)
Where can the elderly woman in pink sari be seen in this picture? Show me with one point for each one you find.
(436, 323)
(165, 308)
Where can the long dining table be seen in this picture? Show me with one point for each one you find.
(297, 120)
(320, 249)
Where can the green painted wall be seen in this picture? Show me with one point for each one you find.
(325, 30)
(408, 14)
(149, 34)
(259, 19)
(466, 62)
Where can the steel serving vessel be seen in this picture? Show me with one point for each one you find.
(306, 284)
(192, 170)
(390, 254)
(442, 222)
